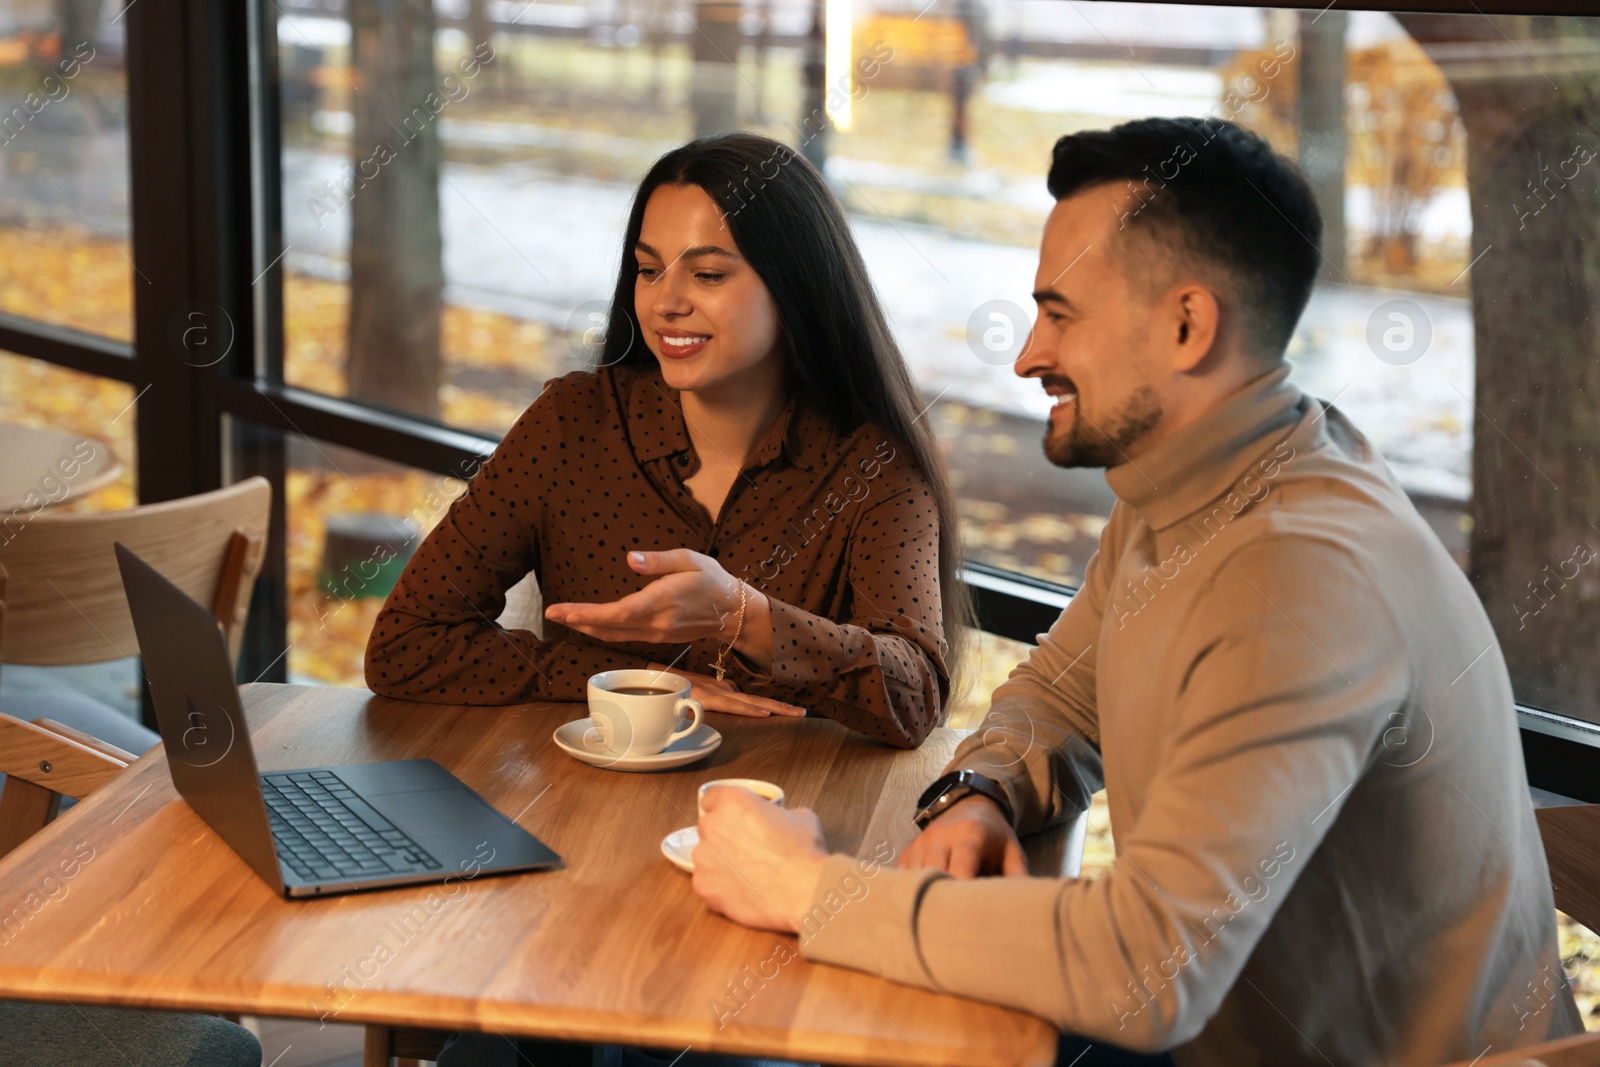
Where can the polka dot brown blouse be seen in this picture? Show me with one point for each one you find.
(840, 532)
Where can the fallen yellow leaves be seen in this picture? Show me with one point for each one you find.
(67, 277)
(523, 353)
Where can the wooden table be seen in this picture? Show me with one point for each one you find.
(613, 946)
(45, 467)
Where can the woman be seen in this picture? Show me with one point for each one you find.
(744, 491)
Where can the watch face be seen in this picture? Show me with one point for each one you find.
(960, 792)
(940, 786)
(956, 786)
(945, 792)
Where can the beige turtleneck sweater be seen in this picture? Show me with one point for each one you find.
(1326, 852)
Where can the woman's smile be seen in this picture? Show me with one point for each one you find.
(681, 344)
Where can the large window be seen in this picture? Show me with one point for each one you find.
(386, 233)
(353, 520)
(65, 253)
(453, 184)
(69, 440)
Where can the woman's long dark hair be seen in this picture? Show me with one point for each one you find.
(839, 356)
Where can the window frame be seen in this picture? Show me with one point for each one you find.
(206, 217)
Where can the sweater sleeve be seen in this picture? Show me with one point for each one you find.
(436, 638)
(880, 671)
(1041, 738)
(1282, 664)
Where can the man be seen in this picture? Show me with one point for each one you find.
(1326, 852)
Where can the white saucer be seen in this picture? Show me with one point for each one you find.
(678, 847)
(580, 740)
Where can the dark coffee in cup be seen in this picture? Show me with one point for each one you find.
(638, 712)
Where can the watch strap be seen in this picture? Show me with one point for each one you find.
(949, 788)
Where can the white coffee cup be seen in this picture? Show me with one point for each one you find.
(764, 790)
(638, 712)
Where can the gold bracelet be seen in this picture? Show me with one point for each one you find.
(738, 628)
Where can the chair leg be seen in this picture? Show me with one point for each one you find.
(412, 1046)
(24, 810)
(377, 1046)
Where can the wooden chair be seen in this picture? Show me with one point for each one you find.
(1571, 835)
(409, 1047)
(61, 602)
(65, 584)
(400, 1046)
(44, 761)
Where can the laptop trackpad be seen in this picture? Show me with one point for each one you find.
(434, 812)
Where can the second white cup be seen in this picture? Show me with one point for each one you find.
(764, 790)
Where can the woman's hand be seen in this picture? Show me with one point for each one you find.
(693, 599)
(725, 696)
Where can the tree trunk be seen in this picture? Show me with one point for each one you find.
(1322, 134)
(396, 267)
(812, 132)
(480, 30)
(76, 21)
(714, 80)
(1530, 100)
(763, 43)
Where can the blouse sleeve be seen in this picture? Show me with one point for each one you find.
(436, 638)
(882, 670)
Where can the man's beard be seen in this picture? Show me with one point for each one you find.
(1087, 444)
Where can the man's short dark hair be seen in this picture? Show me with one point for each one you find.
(1212, 193)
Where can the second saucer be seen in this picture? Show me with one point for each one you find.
(678, 847)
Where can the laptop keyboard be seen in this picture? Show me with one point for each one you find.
(324, 831)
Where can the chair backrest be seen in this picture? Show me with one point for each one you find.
(1571, 835)
(62, 591)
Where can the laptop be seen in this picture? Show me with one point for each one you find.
(308, 832)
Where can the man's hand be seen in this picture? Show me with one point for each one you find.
(969, 839)
(757, 862)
